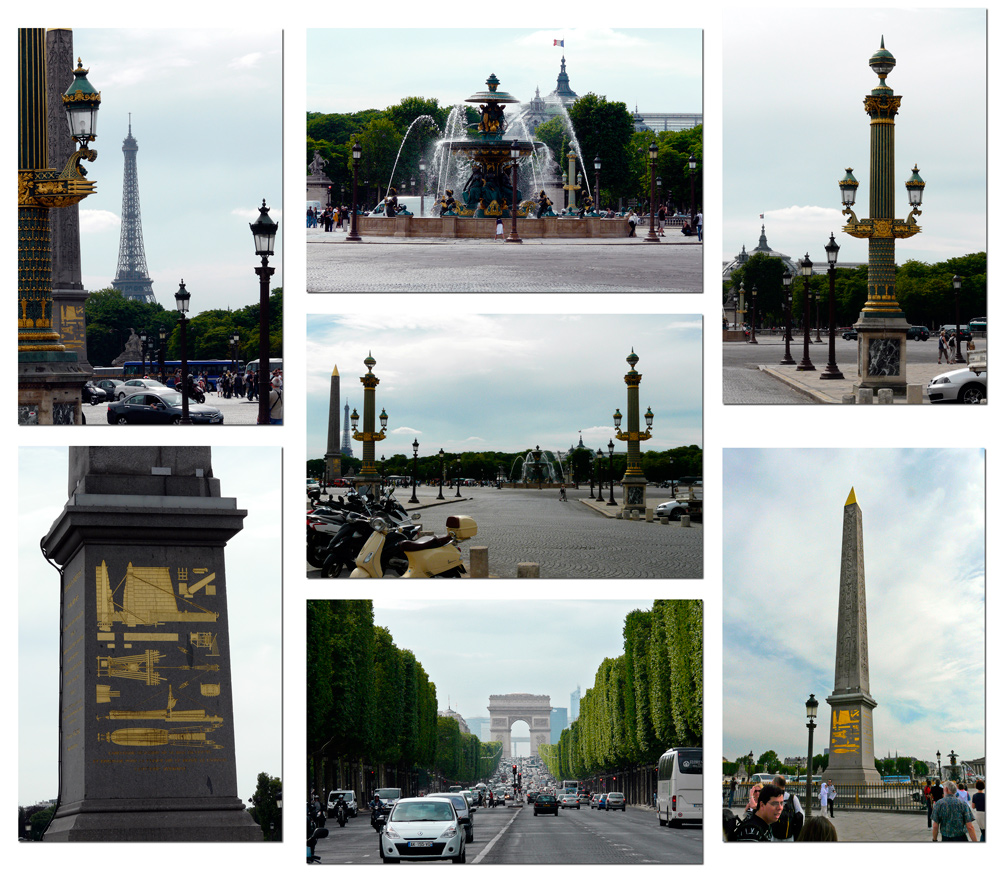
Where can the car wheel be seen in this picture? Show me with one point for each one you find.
(972, 394)
(121, 420)
(176, 419)
(121, 396)
(663, 823)
(460, 858)
(471, 838)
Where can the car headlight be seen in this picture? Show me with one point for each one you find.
(937, 381)
(451, 831)
(390, 833)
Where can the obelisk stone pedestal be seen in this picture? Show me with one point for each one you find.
(852, 757)
(146, 738)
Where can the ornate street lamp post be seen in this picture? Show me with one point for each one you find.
(515, 153)
(163, 344)
(633, 483)
(264, 231)
(805, 365)
(423, 169)
(786, 281)
(881, 325)
(812, 706)
(816, 297)
(692, 165)
(832, 371)
(600, 477)
(597, 187)
(354, 236)
(458, 479)
(753, 315)
(939, 763)
(142, 341)
(956, 283)
(611, 475)
(440, 496)
(183, 304)
(651, 237)
(368, 435)
(413, 497)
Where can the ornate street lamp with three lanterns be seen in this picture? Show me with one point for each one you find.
(633, 483)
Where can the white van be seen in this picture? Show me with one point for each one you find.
(679, 790)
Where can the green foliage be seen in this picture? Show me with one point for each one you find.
(768, 762)
(765, 272)
(643, 701)
(673, 150)
(604, 128)
(379, 141)
(265, 806)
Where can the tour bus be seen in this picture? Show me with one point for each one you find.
(273, 363)
(571, 786)
(679, 792)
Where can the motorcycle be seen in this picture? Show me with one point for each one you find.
(379, 819)
(336, 532)
(426, 557)
(318, 833)
(341, 815)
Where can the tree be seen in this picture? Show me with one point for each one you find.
(265, 806)
(768, 762)
(765, 272)
(379, 142)
(604, 128)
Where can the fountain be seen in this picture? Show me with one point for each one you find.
(472, 180)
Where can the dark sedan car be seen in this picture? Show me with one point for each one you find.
(159, 408)
(94, 394)
(545, 803)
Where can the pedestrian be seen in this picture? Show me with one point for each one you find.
(499, 231)
(757, 827)
(952, 818)
(962, 793)
(952, 340)
(831, 794)
(633, 220)
(824, 797)
(789, 824)
(275, 405)
(818, 829)
(978, 803)
(732, 790)
(942, 347)
(699, 220)
(661, 217)
(929, 801)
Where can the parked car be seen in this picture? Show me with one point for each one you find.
(958, 386)
(672, 509)
(350, 800)
(423, 829)
(94, 394)
(850, 335)
(134, 385)
(615, 801)
(963, 333)
(602, 802)
(165, 407)
(918, 333)
(545, 803)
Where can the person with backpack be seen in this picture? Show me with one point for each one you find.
(789, 824)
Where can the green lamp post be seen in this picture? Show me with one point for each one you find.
(368, 435)
(633, 483)
(882, 326)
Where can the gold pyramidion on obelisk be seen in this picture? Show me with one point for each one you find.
(852, 758)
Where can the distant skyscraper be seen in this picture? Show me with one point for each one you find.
(574, 705)
(132, 279)
(558, 720)
(345, 444)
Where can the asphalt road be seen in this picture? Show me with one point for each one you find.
(512, 835)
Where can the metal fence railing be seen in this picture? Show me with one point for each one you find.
(903, 798)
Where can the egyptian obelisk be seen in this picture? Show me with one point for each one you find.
(332, 457)
(852, 757)
(145, 730)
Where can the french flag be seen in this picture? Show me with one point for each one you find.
(558, 42)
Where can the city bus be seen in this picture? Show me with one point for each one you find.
(679, 791)
(273, 363)
(211, 369)
(571, 786)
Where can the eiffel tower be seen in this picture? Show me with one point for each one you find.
(345, 444)
(132, 279)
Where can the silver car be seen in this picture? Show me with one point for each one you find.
(958, 386)
(616, 800)
(137, 385)
(423, 829)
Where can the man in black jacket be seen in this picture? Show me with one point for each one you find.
(757, 827)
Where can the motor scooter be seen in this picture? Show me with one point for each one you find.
(438, 555)
(318, 833)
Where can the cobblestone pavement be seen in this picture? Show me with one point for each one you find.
(753, 374)
(381, 264)
(234, 411)
(568, 540)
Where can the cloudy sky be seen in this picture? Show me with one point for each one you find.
(352, 70)
(253, 576)
(924, 522)
(575, 635)
(206, 113)
(506, 382)
(793, 90)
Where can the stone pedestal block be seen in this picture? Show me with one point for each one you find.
(882, 353)
(885, 396)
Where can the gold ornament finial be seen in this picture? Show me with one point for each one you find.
(850, 498)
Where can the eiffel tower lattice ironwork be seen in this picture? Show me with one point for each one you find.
(132, 279)
(345, 443)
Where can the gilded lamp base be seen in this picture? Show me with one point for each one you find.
(49, 387)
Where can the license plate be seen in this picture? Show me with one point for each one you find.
(214, 419)
(419, 844)
(697, 805)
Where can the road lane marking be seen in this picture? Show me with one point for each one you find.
(495, 839)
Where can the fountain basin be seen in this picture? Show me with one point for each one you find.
(455, 227)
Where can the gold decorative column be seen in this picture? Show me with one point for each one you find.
(368, 435)
(633, 483)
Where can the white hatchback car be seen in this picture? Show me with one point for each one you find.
(423, 829)
(958, 386)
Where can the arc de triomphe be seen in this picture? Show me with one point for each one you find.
(506, 709)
